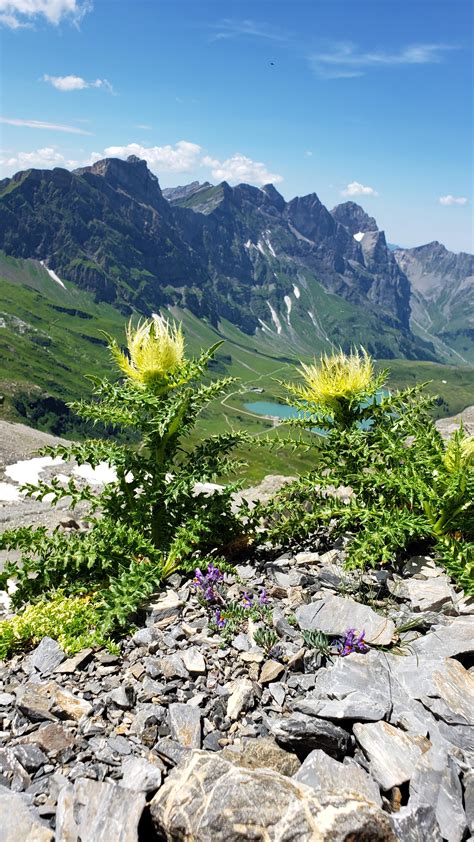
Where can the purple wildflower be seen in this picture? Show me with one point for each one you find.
(263, 597)
(352, 643)
(219, 619)
(205, 583)
(247, 600)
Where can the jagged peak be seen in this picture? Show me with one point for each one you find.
(354, 218)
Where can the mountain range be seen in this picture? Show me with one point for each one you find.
(298, 277)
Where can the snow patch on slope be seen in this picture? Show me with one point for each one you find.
(287, 301)
(359, 236)
(296, 291)
(53, 275)
(276, 321)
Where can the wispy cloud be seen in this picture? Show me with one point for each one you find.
(40, 124)
(346, 60)
(452, 200)
(76, 83)
(143, 126)
(46, 157)
(232, 28)
(357, 189)
(17, 14)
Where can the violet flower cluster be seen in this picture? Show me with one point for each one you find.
(251, 601)
(352, 643)
(206, 583)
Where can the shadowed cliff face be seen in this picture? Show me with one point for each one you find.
(220, 251)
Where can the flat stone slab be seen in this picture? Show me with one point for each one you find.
(392, 753)
(309, 732)
(340, 690)
(185, 725)
(335, 615)
(454, 638)
(442, 685)
(91, 810)
(433, 594)
(323, 773)
(207, 799)
(17, 822)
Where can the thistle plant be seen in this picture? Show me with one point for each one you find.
(408, 485)
(151, 521)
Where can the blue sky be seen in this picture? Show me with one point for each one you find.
(368, 100)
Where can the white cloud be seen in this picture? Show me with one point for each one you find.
(143, 126)
(345, 60)
(357, 189)
(46, 157)
(239, 168)
(40, 124)
(20, 13)
(76, 83)
(452, 200)
(181, 157)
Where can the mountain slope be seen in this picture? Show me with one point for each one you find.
(286, 272)
(442, 296)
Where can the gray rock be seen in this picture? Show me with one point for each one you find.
(17, 822)
(53, 738)
(140, 775)
(33, 702)
(6, 699)
(468, 783)
(432, 594)
(123, 697)
(185, 725)
(435, 784)
(165, 610)
(30, 756)
(194, 661)
(172, 666)
(262, 753)
(308, 733)
(91, 810)
(171, 751)
(416, 825)
(324, 773)
(75, 663)
(241, 698)
(46, 657)
(340, 690)
(445, 641)
(393, 754)
(207, 799)
(241, 643)
(278, 691)
(442, 685)
(335, 614)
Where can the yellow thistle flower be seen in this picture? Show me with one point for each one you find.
(459, 453)
(156, 350)
(336, 378)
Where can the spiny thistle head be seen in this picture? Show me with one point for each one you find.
(459, 453)
(335, 378)
(156, 350)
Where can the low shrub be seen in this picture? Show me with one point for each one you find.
(407, 485)
(150, 522)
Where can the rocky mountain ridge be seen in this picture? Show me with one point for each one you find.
(289, 271)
